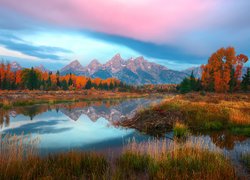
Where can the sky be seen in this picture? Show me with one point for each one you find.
(176, 33)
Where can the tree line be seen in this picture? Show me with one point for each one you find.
(35, 79)
(222, 73)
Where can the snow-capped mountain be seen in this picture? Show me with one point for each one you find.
(132, 71)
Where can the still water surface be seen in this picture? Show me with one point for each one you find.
(88, 126)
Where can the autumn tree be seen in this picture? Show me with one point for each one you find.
(223, 70)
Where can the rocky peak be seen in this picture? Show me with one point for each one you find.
(73, 67)
(41, 68)
(15, 66)
(116, 59)
(93, 66)
(75, 63)
(116, 63)
(94, 63)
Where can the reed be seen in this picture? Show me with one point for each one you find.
(193, 159)
(155, 159)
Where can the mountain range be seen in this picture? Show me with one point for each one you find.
(132, 71)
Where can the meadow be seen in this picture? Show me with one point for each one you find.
(195, 113)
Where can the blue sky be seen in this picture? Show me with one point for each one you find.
(177, 34)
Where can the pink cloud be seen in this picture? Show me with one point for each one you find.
(148, 20)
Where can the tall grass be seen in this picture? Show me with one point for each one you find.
(160, 159)
(19, 160)
(157, 159)
(180, 130)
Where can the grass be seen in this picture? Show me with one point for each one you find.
(27, 98)
(157, 159)
(198, 113)
(180, 130)
(162, 160)
(241, 130)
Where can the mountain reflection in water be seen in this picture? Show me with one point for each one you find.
(88, 126)
(81, 125)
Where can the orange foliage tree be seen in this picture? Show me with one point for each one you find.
(217, 73)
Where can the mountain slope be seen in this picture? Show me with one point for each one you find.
(132, 71)
(74, 67)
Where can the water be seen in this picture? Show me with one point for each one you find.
(82, 125)
(89, 126)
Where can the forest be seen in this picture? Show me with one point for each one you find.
(35, 79)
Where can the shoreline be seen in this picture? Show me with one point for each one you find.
(9, 99)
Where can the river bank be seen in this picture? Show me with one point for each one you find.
(9, 99)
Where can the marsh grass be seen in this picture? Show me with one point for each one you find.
(19, 160)
(180, 130)
(159, 159)
(156, 159)
(215, 113)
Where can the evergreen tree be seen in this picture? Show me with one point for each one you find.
(49, 82)
(185, 86)
(100, 86)
(64, 85)
(245, 84)
(105, 86)
(88, 84)
(198, 85)
(70, 82)
(111, 86)
(32, 79)
(192, 81)
(58, 84)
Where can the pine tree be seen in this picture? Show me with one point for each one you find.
(70, 82)
(88, 84)
(192, 81)
(49, 82)
(185, 86)
(111, 86)
(58, 84)
(64, 85)
(245, 84)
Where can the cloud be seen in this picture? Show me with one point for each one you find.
(180, 31)
(148, 20)
(151, 50)
(12, 42)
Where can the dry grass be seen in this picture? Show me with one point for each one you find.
(180, 130)
(201, 113)
(20, 98)
(157, 159)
